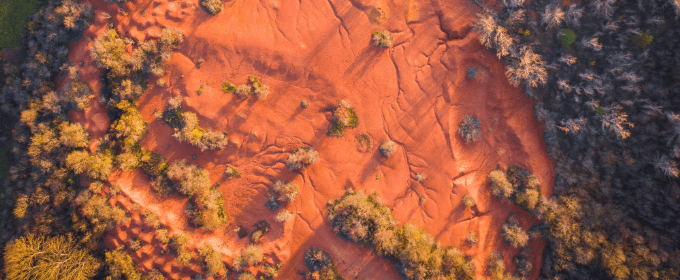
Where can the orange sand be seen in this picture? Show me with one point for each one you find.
(415, 94)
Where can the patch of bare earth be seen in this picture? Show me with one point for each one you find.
(415, 93)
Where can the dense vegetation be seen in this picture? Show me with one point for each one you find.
(321, 266)
(362, 219)
(187, 129)
(605, 76)
(14, 14)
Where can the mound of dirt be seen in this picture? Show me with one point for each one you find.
(415, 93)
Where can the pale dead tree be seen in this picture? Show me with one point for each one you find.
(503, 41)
(656, 20)
(552, 16)
(616, 120)
(568, 59)
(516, 17)
(591, 43)
(604, 8)
(573, 125)
(530, 67)
(611, 25)
(574, 15)
(486, 26)
(564, 85)
(512, 4)
(666, 166)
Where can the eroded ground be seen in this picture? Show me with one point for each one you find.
(415, 94)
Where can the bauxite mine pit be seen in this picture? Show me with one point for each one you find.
(415, 94)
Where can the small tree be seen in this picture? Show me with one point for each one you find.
(468, 129)
(57, 258)
(500, 186)
(213, 261)
(468, 201)
(382, 39)
(513, 234)
(285, 192)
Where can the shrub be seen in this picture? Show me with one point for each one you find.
(343, 117)
(261, 228)
(468, 129)
(136, 244)
(387, 148)
(500, 186)
(285, 192)
(496, 267)
(213, 261)
(189, 179)
(302, 157)
(382, 39)
(643, 40)
(250, 255)
(121, 266)
(246, 276)
(321, 265)
(243, 91)
(184, 259)
(523, 261)
(228, 87)
(567, 37)
(162, 235)
(468, 201)
(472, 72)
(420, 177)
(232, 172)
(304, 103)
(526, 185)
(283, 216)
(151, 219)
(260, 90)
(513, 234)
(271, 271)
(212, 6)
(179, 242)
(471, 238)
(160, 82)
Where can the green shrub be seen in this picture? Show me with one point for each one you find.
(228, 87)
(302, 157)
(271, 271)
(468, 129)
(243, 91)
(523, 261)
(643, 40)
(184, 259)
(567, 37)
(212, 6)
(387, 148)
(343, 117)
(246, 276)
(304, 103)
(468, 201)
(382, 39)
(261, 228)
(496, 267)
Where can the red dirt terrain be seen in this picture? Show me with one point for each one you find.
(415, 94)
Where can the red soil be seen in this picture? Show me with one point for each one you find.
(415, 93)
